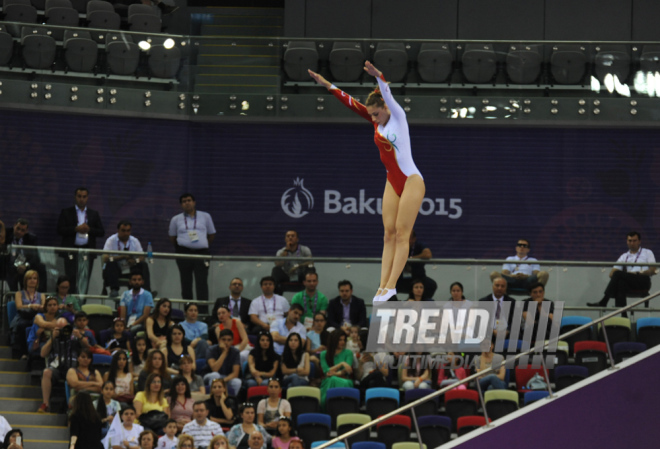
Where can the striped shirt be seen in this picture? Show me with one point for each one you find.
(202, 434)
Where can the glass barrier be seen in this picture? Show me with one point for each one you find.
(266, 77)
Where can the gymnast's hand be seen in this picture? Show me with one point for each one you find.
(319, 79)
(371, 69)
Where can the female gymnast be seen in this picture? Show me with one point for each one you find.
(404, 189)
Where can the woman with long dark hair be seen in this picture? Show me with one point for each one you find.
(295, 362)
(43, 326)
(181, 402)
(11, 439)
(262, 361)
(121, 377)
(221, 406)
(417, 291)
(106, 406)
(336, 363)
(158, 323)
(85, 423)
(68, 304)
(139, 356)
(155, 364)
(176, 348)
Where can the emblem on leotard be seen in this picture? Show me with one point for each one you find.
(297, 201)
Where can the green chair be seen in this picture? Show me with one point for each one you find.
(303, 400)
(500, 403)
(349, 421)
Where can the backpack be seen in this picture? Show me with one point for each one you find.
(536, 383)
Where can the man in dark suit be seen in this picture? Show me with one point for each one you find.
(499, 295)
(235, 302)
(21, 260)
(79, 227)
(346, 310)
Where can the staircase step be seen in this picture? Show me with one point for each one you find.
(206, 86)
(9, 364)
(5, 352)
(243, 20)
(47, 444)
(240, 60)
(51, 433)
(20, 419)
(17, 378)
(19, 405)
(20, 391)
(241, 69)
(224, 80)
(245, 30)
(240, 49)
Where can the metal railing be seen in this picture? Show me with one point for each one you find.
(537, 349)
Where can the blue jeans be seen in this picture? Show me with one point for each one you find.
(294, 380)
(253, 383)
(233, 386)
(492, 382)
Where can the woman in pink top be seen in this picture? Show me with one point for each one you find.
(181, 402)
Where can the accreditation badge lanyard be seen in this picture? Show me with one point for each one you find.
(192, 233)
(127, 247)
(518, 265)
(269, 317)
(33, 300)
(316, 297)
(185, 221)
(135, 301)
(635, 261)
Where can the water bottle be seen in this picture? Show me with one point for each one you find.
(150, 253)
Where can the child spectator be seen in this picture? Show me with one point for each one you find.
(271, 408)
(139, 356)
(120, 375)
(169, 440)
(285, 434)
(106, 407)
(120, 337)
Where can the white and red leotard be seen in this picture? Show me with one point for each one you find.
(392, 140)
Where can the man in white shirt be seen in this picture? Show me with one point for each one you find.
(115, 264)
(292, 270)
(521, 275)
(281, 328)
(200, 428)
(625, 278)
(267, 308)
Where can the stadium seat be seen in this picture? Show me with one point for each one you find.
(177, 314)
(500, 403)
(568, 323)
(101, 362)
(256, 394)
(612, 60)
(649, 60)
(340, 401)
(139, 8)
(568, 64)
(592, 355)
(17, 12)
(479, 63)
(533, 396)
(298, 58)
(396, 428)
(434, 62)
(460, 403)
(164, 63)
(80, 51)
(57, 4)
(381, 401)
(61, 16)
(435, 430)
(313, 426)
(122, 56)
(524, 374)
(337, 445)
(12, 310)
(618, 330)
(303, 400)
(38, 49)
(408, 445)
(349, 421)
(625, 349)
(648, 331)
(429, 407)
(567, 375)
(368, 445)
(144, 23)
(523, 63)
(391, 59)
(467, 424)
(346, 61)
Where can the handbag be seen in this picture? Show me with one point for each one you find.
(154, 420)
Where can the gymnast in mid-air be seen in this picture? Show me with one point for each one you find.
(404, 189)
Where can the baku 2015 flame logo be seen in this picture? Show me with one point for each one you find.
(291, 200)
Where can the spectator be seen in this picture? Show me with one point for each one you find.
(281, 328)
(69, 304)
(493, 381)
(413, 271)
(10, 441)
(84, 377)
(120, 338)
(354, 342)
(116, 264)
(79, 227)
(192, 232)
(221, 406)
(169, 440)
(21, 260)
(239, 434)
(263, 361)
(185, 442)
(106, 406)
(373, 370)
(121, 377)
(256, 440)
(316, 342)
(186, 370)
(148, 439)
(537, 293)
(43, 326)
(346, 310)
(285, 434)
(197, 332)
(267, 308)
(219, 442)
(502, 322)
(295, 362)
(85, 424)
(224, 361)
(151, 399)
(271, 408)
(310, 299)
(297, 444)
(159, 322)
(417, 292)
(201, 428)
(139, 356)
(155, 364)
(449, 376)
(135, 304)
(416, 376)
(59, 353)
(336, 364)
(238, 306)
(28, 303)
(240, 339)
(457, 297)
(521, 275)
(181, 402)
(177, 348)
(291, 269)
(82, 333)
(128, 435)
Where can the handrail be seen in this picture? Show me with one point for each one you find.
(212, 257)
(481, 373)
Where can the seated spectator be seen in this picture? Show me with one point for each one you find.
(411, 271)
(373, 370)
(316, 341)
(197, 332)
(457, 298)
(59, 353)
(239, 434)
(152, 398)
(155, 364)
(115, 264)
(21, 260)
(296, 444)
(240, 341)
(139, 356)
(291, 270)
(346, 310)
(148, 439)
(416, 376)
(310, 299)
(127, 436)
(28, 303)
(177, 348)
(256, 440)
(169, 440)
(537, 293)
(82, 332)
(295, 362)
(135, 304)
(263, 362)
(267, 308)
(85, 424)
(159, 322)
(336, 364)
(201, 428)
(195, 381)
(221, 406)
(68, 304)
(486, 360)
(448, 376)
(354, 342)
(10, 442)
(239, 306)
(219, 442)
(417, 291)
(43, 326)
(121, 377)
(285, 434)
(106, 406)
(521, 275)
(181, 402)
(85, 377)
(270, 409)
(224, 362)
(120, 339)
(281, 328)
